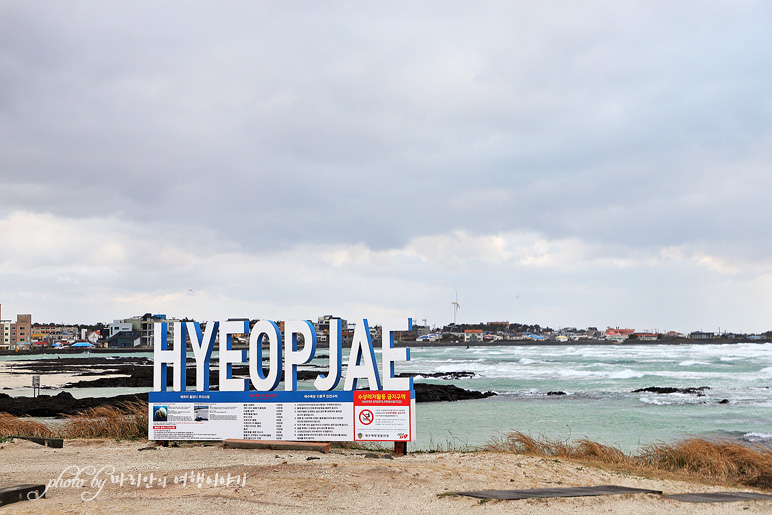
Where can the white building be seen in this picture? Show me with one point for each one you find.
(5, 334)
(473, 335)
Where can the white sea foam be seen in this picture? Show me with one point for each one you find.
(757, 437)
(626, 374)
(655, 401)
(672, 398)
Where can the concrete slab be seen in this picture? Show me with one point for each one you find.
(235, 443)
(720, 497)
(578, 491)
(56, 443)
(12, 494)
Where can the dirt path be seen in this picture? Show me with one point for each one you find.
(304, 482)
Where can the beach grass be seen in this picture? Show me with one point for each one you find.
(714, 461)
(127, 421)
(11, 426)
(710, 460)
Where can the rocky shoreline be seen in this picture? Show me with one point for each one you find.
(64, 404)
(137, 372)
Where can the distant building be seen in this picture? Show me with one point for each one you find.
(500, 327)
(322, 328)
(119, 326)
(5, 334)
(16, 335)
(617, 334)
(700, 335)
(144, 325)
(473, 335)
(123, 340)
(420, 330)
(50, 334)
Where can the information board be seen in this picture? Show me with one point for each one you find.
(280, 415)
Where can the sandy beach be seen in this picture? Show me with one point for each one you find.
(16, 377)
(267, 481)
(13, 380)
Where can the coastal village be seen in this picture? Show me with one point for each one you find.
(22, 334)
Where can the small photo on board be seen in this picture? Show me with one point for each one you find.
(200, 413)
(160, 413)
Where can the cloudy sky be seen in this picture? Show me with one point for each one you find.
(562, 163)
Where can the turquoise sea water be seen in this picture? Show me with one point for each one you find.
(598, 381)
(599, 403)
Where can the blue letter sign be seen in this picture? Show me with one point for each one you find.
(252, 406)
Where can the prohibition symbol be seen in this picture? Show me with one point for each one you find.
(366, 417)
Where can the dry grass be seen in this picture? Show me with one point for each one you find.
(15, 426)
(127, 421)
(716, 461)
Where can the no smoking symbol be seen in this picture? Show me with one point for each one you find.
(366, 417)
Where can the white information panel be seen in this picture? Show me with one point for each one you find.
(280, 415)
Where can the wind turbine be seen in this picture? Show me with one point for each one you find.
(456, 305)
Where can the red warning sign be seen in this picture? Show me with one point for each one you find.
(366, 417)
(382, 416)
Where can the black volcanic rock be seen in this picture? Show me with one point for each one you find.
(439, 375)
(425, 392)
(667, 389)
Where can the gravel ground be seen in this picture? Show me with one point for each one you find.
(299, 482)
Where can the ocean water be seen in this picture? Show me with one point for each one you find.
(599, 404)
(598, 381)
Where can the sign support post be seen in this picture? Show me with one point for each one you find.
(35, 386)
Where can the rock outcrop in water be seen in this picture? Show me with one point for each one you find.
(667, 389)
(439, 375)
(425, 392)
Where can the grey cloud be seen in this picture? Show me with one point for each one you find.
(294, 123)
